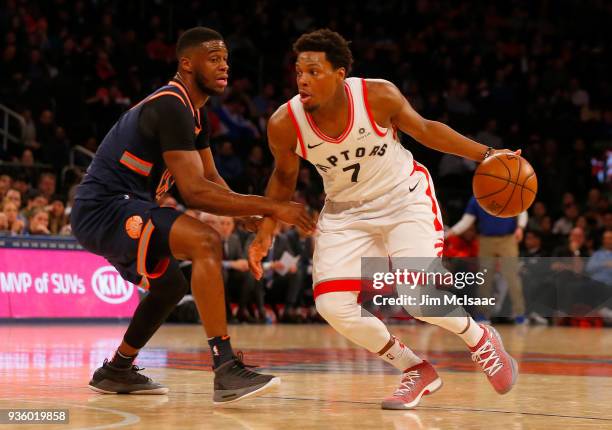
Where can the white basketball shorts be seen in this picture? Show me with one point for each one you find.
(405, 222)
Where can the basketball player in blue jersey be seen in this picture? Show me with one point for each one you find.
(380, 202)
(160, 141)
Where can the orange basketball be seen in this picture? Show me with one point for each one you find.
(505, 185)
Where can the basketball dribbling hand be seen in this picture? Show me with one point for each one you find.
(501, 151)
(257, 251)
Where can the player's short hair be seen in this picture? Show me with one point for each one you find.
(194, 37)
(336, 47)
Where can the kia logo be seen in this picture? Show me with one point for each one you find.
(110, 287)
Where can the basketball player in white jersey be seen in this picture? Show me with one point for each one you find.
(379, 202)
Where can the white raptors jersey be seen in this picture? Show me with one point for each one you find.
(364, 162)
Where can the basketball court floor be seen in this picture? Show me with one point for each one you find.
(327, 383)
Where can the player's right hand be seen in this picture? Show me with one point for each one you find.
(295, 214)
(257, 251)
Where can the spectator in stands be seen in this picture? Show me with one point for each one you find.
(47, 184)
(38, 222)
(27, 159)
(56, 152)
(537, 212)
(34, 200)
(21, 184)
(14, 196)
(233, 116)
(14, 225)
(57, 215)
(575, 245)
(29, 131)
(5, 184)
(565, 224)
(45, 130)
(599, 266)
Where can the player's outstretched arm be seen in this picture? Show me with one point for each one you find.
(199, 193)
(390, 107)
(282, 139)
(250, 223)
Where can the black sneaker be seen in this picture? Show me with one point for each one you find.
(109, 379)
(234, 381)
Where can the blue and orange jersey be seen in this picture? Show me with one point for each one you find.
(130, 163)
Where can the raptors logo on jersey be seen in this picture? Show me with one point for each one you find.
(364, 162)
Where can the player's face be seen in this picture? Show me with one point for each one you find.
(317, 80)
(210, 68)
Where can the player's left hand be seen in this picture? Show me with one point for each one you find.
(250, 223)
(257, 251)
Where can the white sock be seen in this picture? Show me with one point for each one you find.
(399, 355)
(471, 333)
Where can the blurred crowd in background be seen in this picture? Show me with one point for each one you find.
(519, 74)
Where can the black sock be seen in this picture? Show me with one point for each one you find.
(122, 361)
(221, 349)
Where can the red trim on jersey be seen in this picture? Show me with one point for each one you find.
(434, 206)
(367, 106)
(349, 126)
(297, 129)
(336, 285)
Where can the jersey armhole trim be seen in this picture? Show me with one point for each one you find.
(157, 95)
(369, 112)
(185, 94)
(297, 129)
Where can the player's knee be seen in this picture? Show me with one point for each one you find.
(208, 243)
(336, 307)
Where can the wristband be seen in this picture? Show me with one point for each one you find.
(487, 153)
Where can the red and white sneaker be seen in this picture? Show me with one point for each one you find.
(501, 369)
(416, 382)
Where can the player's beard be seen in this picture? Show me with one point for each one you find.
(200, 81)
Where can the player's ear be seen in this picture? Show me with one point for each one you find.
(341, 73)
(186, 64)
